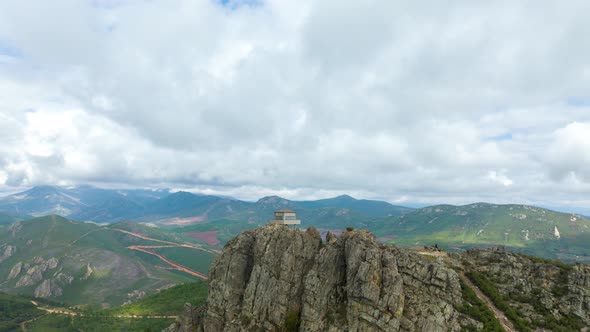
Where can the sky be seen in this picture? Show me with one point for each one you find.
(413, 102)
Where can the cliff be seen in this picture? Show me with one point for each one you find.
(278, 278)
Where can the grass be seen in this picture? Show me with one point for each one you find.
(59, 323)
(489, 289)
(473, 307)
(193, 259)
(14, 310)
(167, 302)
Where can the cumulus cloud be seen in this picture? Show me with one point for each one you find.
(403, 102)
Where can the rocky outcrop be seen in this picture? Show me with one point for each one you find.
(276, 278)
(6, 251)
(15, 271)
(541, 291)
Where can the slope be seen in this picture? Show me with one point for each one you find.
(531, 229)
(79, 263)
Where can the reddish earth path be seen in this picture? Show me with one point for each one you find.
(500, 316)
(168, 245)
(184, 245)
(171, 263)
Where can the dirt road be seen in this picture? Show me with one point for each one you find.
(169, 262)
(184, 245)
(500, 316)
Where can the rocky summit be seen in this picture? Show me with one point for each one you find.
(278, 278)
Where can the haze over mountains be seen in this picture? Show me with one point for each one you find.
(87, 203)
(213, 220)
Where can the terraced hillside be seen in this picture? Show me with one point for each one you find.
(82, 263)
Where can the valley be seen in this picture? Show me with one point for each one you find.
(103, 273)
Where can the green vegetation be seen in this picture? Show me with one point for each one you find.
(7, 218)
(15, 310)
(78, 249)
(60, 323)
(472, 306)
(527, 229)
(193, 259)
(167, 302)
(489, 289)
(292, 321)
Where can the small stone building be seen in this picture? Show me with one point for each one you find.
(285, 217)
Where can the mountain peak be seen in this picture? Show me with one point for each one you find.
(345, 197)
(350, 283)
(273, 200)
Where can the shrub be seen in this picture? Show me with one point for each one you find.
(349, 229)
(292, 321)
(472, 306)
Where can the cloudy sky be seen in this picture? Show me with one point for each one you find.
(422, 103)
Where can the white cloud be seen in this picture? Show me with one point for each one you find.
(500, 178)
(410, 103)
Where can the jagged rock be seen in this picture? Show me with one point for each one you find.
(33, 276)
(187, 322)
(52, 263)
(560, 290)
(47, 289)
(265, 275)
(88, 272)
(331, 237)
(64, 279)
(15, 228)
(44, 289)
(15, 271)
(6, 251)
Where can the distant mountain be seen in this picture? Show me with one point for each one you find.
(531, 229)
(84, 202)
(87, 203)
(368, 207)
(77, 263)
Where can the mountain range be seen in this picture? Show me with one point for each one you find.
(88, 203)
(211, 220)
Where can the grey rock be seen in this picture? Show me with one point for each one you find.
(265, 275)
(15, 271)
(6, 251)
(44, 289)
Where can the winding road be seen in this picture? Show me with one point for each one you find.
(168, 244)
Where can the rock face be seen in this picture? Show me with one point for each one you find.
(15, 271)
(277, 278)
(540, 290)
(6, 251)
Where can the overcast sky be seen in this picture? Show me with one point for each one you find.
(429, 102)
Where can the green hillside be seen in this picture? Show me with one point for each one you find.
(525, 228)
(7, 218)
(15, 310)
(152, 313)
(82, 263)
(169, 301)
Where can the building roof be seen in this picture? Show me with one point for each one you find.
(285, 210)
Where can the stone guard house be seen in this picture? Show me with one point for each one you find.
(285, 217)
